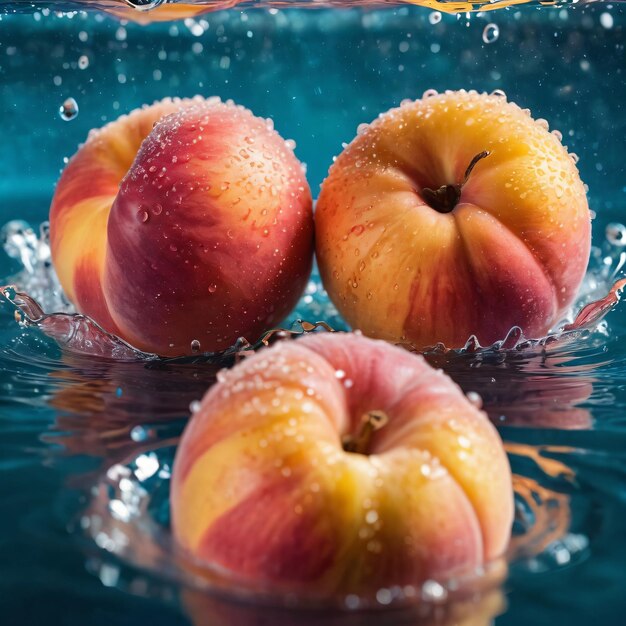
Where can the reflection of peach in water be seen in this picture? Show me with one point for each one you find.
(101, 402)
(479, 610)
(551, 518)
(104, 430)
(541, 391)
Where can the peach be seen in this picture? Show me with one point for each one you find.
(453, 215)
(309, 466)
(183, 226)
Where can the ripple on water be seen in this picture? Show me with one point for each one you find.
(554, 400)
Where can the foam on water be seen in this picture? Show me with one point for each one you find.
(601, 291)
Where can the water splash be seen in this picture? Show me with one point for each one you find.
(79, 334)
(106, 409)
(39, 289)
(128, 517)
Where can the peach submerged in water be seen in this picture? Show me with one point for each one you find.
(453, 215)
(309, 466)
(183, 226)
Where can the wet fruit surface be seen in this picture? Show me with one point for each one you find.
(208, 237)
(263, 489)
(453, 215)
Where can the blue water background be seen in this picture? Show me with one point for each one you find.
(318, 74)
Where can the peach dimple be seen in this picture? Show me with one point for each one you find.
(183, 226)
(453, 215)
(279, 480)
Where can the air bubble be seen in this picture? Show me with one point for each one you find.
(606, 20)
(68, 110)
(212, 288)
(384, 596)
(352, 602)
(429, 93)
(139, 433)
(616, 234)
(434, 17)
(195, 346)
(499, 93)
(491, 32)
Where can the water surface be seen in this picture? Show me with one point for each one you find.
(67, 419)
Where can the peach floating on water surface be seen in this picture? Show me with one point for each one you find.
(185, 222)
(453, 215)
(309, 466)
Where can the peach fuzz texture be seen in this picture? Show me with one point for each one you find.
(512, 252)
(185, 220)
(263, 490)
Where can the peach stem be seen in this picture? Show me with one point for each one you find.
(447, 197)
(370, 423)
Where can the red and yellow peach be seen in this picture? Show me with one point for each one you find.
(282, 478)
(183, 226)
(453, 215)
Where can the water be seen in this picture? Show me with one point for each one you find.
(81, 431)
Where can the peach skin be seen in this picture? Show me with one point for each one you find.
(453, 215)
(308, 466)
(183, 226)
